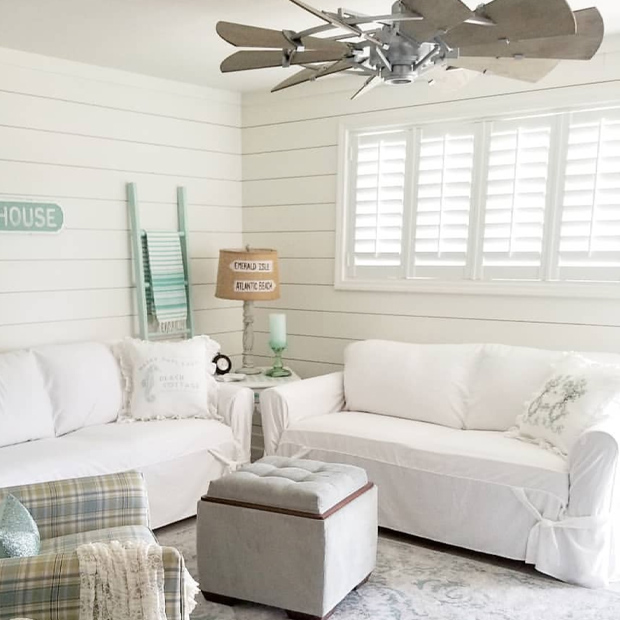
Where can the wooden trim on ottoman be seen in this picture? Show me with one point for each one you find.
(286, 511)
(220, 599)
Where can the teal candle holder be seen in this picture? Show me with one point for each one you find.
(278, 370)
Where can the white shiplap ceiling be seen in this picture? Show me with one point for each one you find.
(175, 39)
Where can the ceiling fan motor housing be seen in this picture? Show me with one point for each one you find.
(403, 55)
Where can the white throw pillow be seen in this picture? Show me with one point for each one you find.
(25, 407)
(505, 379)
(169, 379)
(84, 384)
(424, 382)
(577, 395)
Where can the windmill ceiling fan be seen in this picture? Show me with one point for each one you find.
(520, 39)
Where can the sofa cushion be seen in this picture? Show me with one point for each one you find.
(505, 379)
(428, 383)
(488, 456)
(109, 448)
(25, 408)
(84, 384)
(70, 542)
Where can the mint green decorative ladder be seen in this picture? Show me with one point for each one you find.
(137, 236)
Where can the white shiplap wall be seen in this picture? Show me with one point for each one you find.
(290, 163)
(75, 134)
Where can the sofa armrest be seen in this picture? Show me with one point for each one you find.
(48, 586)
(282, 405)
(593, 467)
(76, 505)
(235, 404)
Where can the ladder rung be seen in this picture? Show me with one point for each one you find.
(162, 336)
(180, 233)
(148, 284)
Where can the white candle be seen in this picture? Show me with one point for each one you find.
(277, 331)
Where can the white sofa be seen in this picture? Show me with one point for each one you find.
(427, 422)
(58, 410)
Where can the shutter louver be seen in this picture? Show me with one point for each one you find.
(589, 244)
(516, 199)
(443, 202)
(379, 195)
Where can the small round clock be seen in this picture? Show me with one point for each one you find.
(222, 363)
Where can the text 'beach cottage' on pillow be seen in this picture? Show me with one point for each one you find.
(169, 379)
(578, 394)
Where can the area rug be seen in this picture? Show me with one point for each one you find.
(415, 580)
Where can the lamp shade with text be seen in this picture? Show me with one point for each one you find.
(248, 275)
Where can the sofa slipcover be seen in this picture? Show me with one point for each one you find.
(78, 391)
(477, 489)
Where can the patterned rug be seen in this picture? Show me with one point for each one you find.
(417, 580)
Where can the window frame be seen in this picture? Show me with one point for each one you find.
(549, 268)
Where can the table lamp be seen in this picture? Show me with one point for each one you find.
(248, 275)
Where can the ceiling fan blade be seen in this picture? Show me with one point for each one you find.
(320, 14)
(516, 20)
(240, 35)
(336, 22)
(442, 14)
(372, 82)
(245, 60)
(439, 15)
(527, 70)
(307, 75)
(450, 79)
(580, 46)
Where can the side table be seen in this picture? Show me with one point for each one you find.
(258, 383)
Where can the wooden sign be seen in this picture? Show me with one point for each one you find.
(30, 217)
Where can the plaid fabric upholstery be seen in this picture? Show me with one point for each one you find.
(47, 586)
(70, 542)
(64, 507)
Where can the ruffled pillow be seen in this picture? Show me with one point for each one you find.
(168, 379)
(578, 394)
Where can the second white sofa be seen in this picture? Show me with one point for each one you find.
(428, 424)
(58, 411)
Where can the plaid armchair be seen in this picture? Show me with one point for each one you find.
(68, 514)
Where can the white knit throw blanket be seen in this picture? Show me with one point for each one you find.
(125, 581)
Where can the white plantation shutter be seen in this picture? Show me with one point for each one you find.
(379, 163)
(443, 194)
(516, 199)
(589, 240)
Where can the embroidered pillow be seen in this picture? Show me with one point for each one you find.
(169, 379)
(19, 534)
(574, 398)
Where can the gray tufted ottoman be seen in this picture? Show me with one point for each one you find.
(294, 534)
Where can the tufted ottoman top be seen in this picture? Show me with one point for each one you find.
(295, 485)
